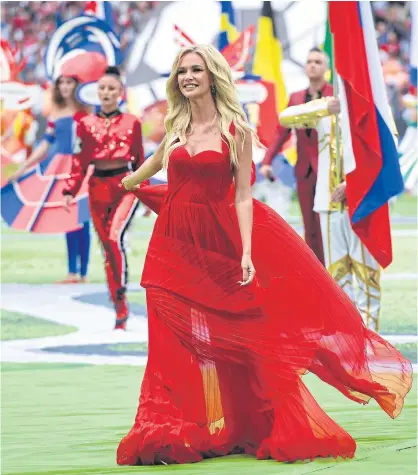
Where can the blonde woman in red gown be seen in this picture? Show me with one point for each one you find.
(228, 346)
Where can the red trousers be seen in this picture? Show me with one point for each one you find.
(311, 222)
(112, 209)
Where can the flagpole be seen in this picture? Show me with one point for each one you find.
(337, 122)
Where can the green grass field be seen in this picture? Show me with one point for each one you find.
(17, 326)
(64, 419)
(67, 419)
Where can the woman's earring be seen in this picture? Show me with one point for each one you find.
(213, 90)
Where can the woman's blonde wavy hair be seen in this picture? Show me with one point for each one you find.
(179, 115)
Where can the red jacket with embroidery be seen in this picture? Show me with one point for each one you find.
(104, 139)
(307, 141)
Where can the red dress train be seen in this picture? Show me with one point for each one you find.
(225, 362)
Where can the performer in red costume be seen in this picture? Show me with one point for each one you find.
(112, 142)
(306, 167)
(226, 349)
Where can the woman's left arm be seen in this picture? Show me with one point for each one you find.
(244, 204)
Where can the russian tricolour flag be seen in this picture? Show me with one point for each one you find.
(370, 148)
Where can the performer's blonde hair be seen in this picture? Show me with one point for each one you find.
(179, 114)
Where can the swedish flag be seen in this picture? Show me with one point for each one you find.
(268, 55)
(228, 33)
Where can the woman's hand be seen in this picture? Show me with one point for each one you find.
(248, 271)
(68, 199)
(35, 157)
(129, 182)
(17, 174)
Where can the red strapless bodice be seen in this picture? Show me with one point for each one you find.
(204, 177)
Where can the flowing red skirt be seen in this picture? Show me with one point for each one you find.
(225, 362)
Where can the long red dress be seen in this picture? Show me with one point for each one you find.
(225, 362)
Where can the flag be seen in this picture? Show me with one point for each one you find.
(413, 52)
(268, 55)
(229, 32)
(328, 48)
(371, 161)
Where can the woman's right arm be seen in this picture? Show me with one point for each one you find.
(149, 168)
(36, 156)
(39, 153)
